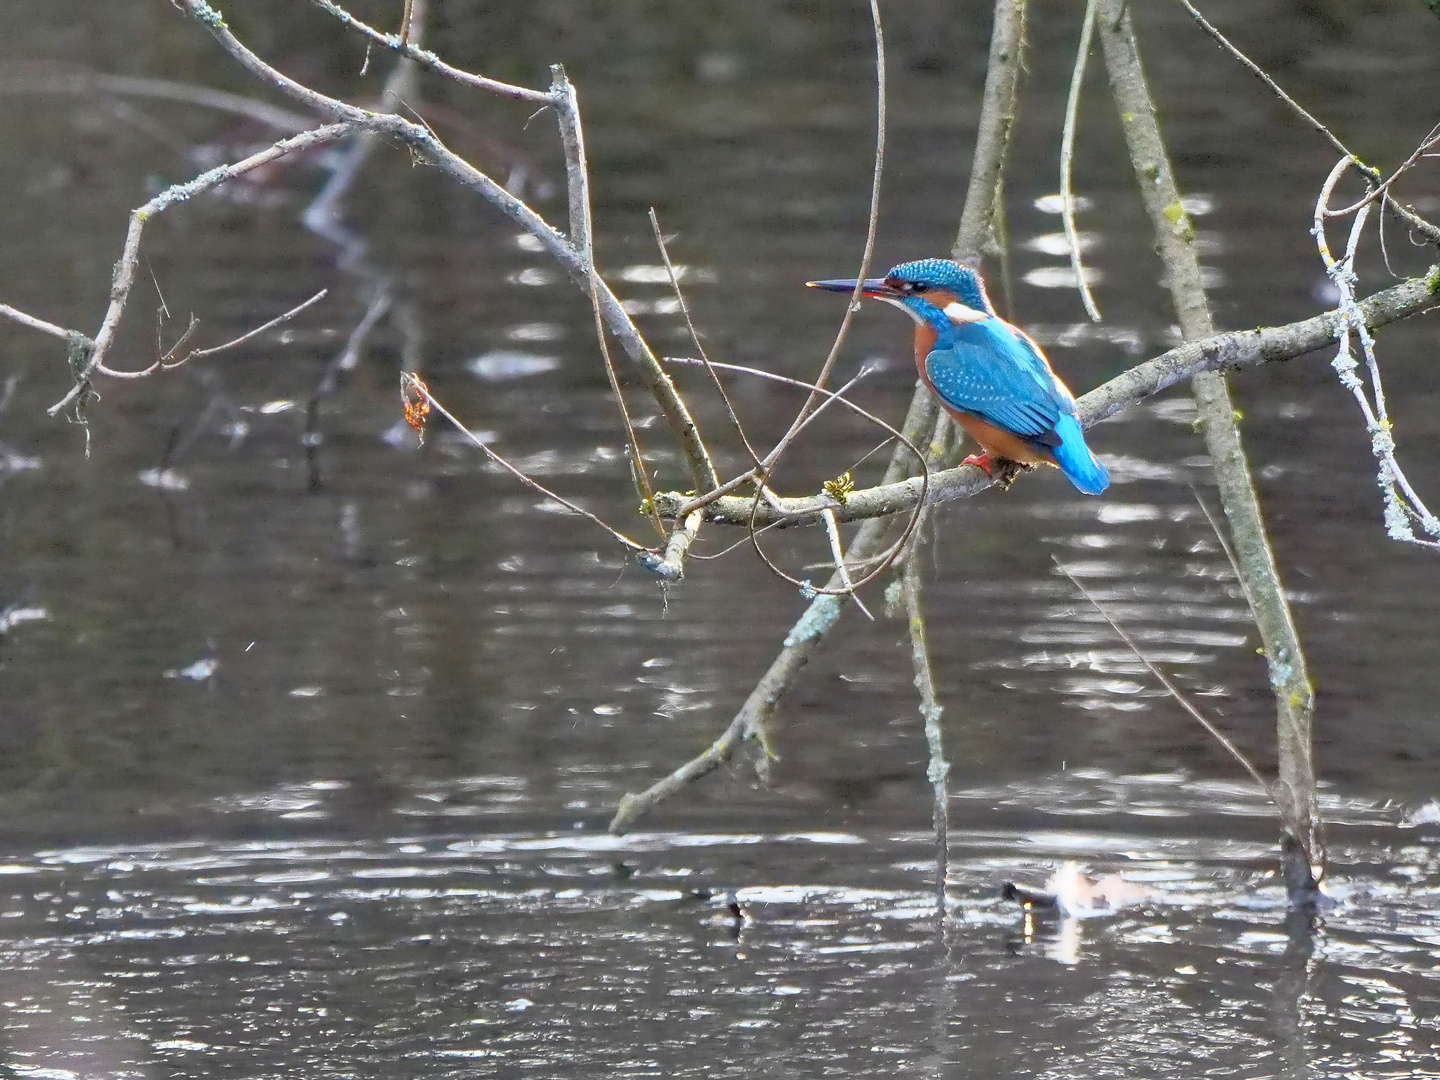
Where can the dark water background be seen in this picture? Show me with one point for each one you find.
(371, 842)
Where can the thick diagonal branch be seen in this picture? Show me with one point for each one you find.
(1175, 237)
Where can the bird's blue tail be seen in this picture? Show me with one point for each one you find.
(1079, 465)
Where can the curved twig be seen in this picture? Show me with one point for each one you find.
(1067, 155)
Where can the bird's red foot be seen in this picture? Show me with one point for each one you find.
(1001, 470)
(981, 462)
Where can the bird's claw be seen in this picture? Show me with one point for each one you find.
(1001, 471)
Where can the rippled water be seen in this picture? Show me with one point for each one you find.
(309, 751)
(706, 953)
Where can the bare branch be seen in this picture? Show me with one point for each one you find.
(16, 315)
(695, 337)
(125, 269)
(421, 141)
(250, 334)
(400, 45)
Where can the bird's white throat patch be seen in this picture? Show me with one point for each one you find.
(958, 313)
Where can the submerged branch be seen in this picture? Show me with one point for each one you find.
(937, 770)
(1260, 576)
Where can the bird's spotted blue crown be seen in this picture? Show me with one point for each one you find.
(947, 275)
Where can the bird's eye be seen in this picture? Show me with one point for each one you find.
(919, 286)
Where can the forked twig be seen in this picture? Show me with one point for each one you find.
(1402, 504)
(166, 363)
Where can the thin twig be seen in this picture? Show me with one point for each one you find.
(424, 57)
(1369, 172)
(832, 529)
(1184, 702)
(871, 227)
(198, 354)
(1260, 73)
(1219, 532)
(414, 386)
(1067, 154)
(695, 338)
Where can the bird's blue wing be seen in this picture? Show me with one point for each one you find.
(988, 369)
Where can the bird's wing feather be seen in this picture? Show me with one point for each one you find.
(1001, 377)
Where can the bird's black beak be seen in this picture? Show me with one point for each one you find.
(871, 286)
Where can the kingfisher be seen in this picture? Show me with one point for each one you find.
(990, 376)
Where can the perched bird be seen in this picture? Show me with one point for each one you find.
(988, 375)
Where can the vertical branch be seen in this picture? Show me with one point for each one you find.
(938, 769)
(577, 176)
(998, 109)
(1260, 577)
